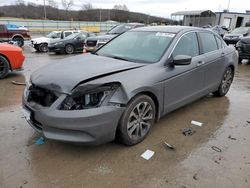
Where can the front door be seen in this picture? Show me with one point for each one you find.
(186, 81)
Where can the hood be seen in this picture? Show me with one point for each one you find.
(69, 72)
(41, 39)
(102, 37)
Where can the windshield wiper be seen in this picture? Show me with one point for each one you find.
(120, 58)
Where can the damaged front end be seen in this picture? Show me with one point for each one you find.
(89, 96)
(82, 97)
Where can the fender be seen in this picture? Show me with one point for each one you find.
(17, 35)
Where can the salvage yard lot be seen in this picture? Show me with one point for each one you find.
(193, 162)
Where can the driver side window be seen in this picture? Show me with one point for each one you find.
(187, 45)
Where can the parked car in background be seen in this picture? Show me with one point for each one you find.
(220, 30)
(234, 36)
(11, 59)
(120, 90)
(14, 27)
(71, 44)
(92, 43)
(243, 47)
(41, 44)
(17, 35)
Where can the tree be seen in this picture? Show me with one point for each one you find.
(53, 3)
(87, 6)
(121, 7)
(20, 2)
(67, 4)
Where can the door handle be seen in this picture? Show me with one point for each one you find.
(200, 63)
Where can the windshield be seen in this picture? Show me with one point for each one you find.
(54, 35)
(120, 29)
(240, 30)
(144, 47)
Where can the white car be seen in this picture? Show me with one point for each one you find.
(41, 43)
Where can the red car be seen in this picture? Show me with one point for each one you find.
(11, 58)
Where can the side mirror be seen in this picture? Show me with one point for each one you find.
(182, 60)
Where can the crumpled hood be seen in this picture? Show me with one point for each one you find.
(63, 76)
(102, 37)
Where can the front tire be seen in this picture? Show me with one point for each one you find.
(225, 83)
(43, 47)
(69, 49)
(4, 67)
(137, 120)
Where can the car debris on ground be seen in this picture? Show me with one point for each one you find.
(196, 123)
(169, 146)
(231, 138)
(18, 83)
(188, 131)
(40, 141)
(147, 154)
(215, 148)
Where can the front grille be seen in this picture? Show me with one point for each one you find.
(91, 43)
(41, 96)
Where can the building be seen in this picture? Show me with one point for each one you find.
(232, 20)
(197, 18)
(201, 18)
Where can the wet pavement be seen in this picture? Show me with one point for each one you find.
(193, 163)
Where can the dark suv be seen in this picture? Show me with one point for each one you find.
(243, 47)
(92, 43)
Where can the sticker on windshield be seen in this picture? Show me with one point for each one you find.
(171, 35)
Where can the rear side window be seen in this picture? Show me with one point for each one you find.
(219, 42)
(67, 33)
(209, 43)
(187, 45)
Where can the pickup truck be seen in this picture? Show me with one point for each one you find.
(17, 35)
(41, 44)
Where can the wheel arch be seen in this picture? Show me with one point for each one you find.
(7, 60)
(17, 36)
(155, 100)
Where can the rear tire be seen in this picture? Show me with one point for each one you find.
(137, 120)
(43, 47)
(225, 83)
(19, 40)
(4, 67)
(69, 49)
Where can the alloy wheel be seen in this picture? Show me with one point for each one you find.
(227, 80)
(140, 120)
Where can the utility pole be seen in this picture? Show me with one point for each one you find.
(228, 5)
(100, 14)
(44, 7)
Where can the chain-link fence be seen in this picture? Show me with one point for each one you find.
(44, 26)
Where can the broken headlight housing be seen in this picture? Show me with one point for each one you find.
(89, 96)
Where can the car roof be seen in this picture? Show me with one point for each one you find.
(169, 29)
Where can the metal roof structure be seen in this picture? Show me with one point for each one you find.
(192, 13)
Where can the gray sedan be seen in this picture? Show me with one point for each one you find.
(122, 89)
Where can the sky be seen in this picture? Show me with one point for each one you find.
(162, 8)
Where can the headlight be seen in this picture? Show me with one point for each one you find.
(86, 97)
(34, 42)
(103, 40)
(58, 43)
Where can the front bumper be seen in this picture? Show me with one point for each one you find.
(91, 126)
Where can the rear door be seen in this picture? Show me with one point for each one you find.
(187, 81)
(213, 49)
(79, 41)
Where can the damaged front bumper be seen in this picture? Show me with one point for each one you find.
(89, 126)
